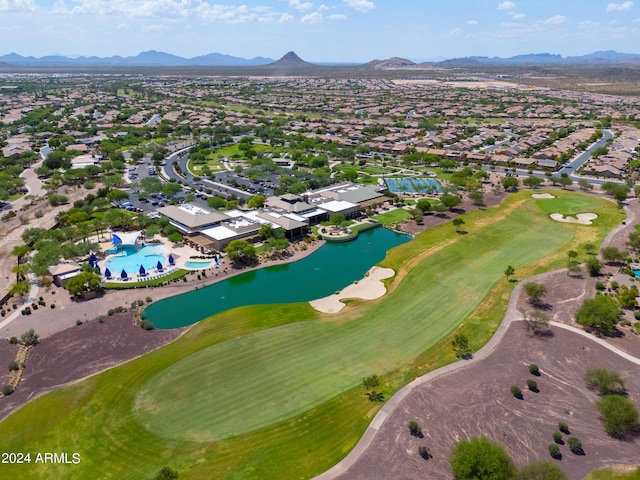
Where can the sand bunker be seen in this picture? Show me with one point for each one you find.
(369, 288)
(581, 218)
(543, 195)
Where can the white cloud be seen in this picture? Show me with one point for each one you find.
(337, 16)
(17, 6)
(617, 7)
(324, 8)
(285, 18)
(454, 32)
(312, 18)
(473, 22)
(122, 26)
(506, 5)
(300, 6)
(152, 28)
(557, 20)
(360, 5)
(516, 16)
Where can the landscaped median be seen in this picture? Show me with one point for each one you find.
(275, 391)
(155, 282)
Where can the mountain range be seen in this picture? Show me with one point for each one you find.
(159, 59)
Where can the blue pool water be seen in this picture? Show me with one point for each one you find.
(196, 265)
(129, 258)
(413, 185)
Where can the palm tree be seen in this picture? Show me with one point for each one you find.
(19, 251)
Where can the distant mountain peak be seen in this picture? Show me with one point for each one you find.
(290, 59)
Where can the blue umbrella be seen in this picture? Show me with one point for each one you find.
(123, 274)
(171, 260)
(92, 258)
(107, 273)
(159, 265)
(142, 271)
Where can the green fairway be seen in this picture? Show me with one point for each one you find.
(273, 391)
(608, 474)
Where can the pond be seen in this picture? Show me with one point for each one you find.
(332, 267)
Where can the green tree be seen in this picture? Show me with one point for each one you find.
(477, 197)
(509, 271)
(414, 428)
(535, 291)
(241, 251)
(336, 219)
(612, 255)
(480, 458)
(543, 470)
(532, 182)
(424, 205)
(593, 266)
(460, 344)
(84, 282)
(627, 296)
(19, 251)
(457, 222)
(536, 320)
(565, 182)
(619, 415)
(600, 314)
(257, 201)
(510, 183)
(166, 474)
(604, 381)
(584, 185)
(450, 201)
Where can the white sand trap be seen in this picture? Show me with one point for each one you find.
(543, 195)
(581, 218)
(369, 288)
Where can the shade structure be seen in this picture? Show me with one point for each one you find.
(107, 273)
(123, 274)
(92, 258)
(116, 239)
(171, 260)
(142, 271)
(159, 265)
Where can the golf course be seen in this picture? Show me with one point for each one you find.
(275, 391)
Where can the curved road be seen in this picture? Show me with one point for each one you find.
(512, 314)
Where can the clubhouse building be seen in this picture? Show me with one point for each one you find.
(212, 230)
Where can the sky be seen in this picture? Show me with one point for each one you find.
(319, 31)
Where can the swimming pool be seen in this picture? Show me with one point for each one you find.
(129, 258)
(197, 265)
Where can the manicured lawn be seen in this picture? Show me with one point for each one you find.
(274, 391)
(392, 216)
(608, 474)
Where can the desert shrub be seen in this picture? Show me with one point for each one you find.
(544, 470)
(460, 344)
(53, 305)
(600, 286)
(100, 319)
(13, 366)
(147, 325)
(13, 340)
(166, 474)
(414, 428)
(619, 415)
(532, 385)
(604, 381)
(78, 322)
(534, 369)
(557, 437)
(563, 427)
(554, 451)
(636, 314)
(516, 392)
(575, 446)
(29, 338)
(424, 452)
(148, 300)
(7, 390)
(615, 285)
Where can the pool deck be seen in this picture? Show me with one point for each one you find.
(181, 254)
